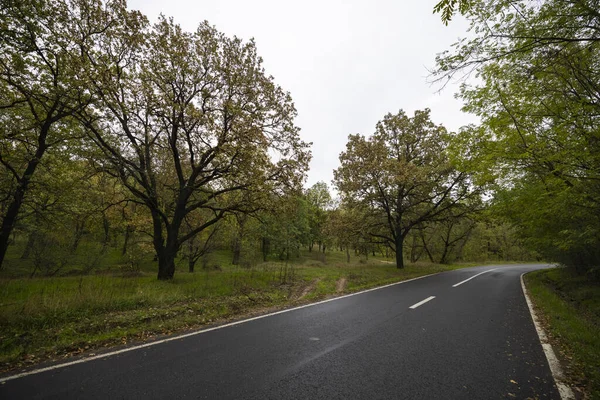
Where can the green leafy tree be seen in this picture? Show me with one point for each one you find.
(347, 227)
(42, 85)
(403, 174)
(537, 97)
(443, 241)
(188, 121)
(286, 225)
(319, 199)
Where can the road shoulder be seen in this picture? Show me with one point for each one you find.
(555, 366)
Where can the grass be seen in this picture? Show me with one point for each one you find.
(50, 318)
(570, 309)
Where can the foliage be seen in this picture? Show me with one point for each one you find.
(319, 201)
(200, 106)
(346, 229)
(403, 174)
(570, 305)
(287, 226)
(447, 8)
(539, 79)
(188, 122)
(41, 88)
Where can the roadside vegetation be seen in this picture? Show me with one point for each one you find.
(569, 305)
(50, 318)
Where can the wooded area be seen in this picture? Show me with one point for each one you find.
(125, 142)
(538, 98)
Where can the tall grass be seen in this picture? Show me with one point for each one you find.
(570, 306)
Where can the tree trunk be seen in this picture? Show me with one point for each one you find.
(348, 254)
(128, 231)
(29, 246)
(166, 260)
(429, 255)
(239, 237)
(165, 252)
(399, 251)
(79, 228)
(10, 218)
(444, 255)
(166, 264)
(106, 227)
(448, 244)
(237, 249)
(413, 249)
(266, 248)
(191, 260)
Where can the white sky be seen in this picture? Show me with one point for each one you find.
(345, 63)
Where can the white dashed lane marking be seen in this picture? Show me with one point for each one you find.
(474, 276)
(422, 302)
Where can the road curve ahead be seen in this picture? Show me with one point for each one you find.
(464, 334)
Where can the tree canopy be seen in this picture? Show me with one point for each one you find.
(537, 97)
(404, 174)
(188, 122)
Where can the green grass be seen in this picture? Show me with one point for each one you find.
(570, 309)
(48, 318)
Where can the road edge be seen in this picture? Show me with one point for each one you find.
(564, 390)
(198, 332)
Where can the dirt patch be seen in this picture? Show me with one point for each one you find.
(340, 285)
(305, 290)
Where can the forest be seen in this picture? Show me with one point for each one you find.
(134, 151)
(126, 143)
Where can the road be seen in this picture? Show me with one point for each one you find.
(423, 339)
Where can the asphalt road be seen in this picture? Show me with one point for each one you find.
(472, 341)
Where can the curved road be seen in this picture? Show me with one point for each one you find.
(444, 336)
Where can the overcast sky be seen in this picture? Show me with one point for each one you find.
(345, 63)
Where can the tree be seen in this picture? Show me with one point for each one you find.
(188, 122)
(537, 98)
(346, 226)
(403, 174)
(41, 87)
(319, 199)
(443, 241)
(285, 225)
(200, 246)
